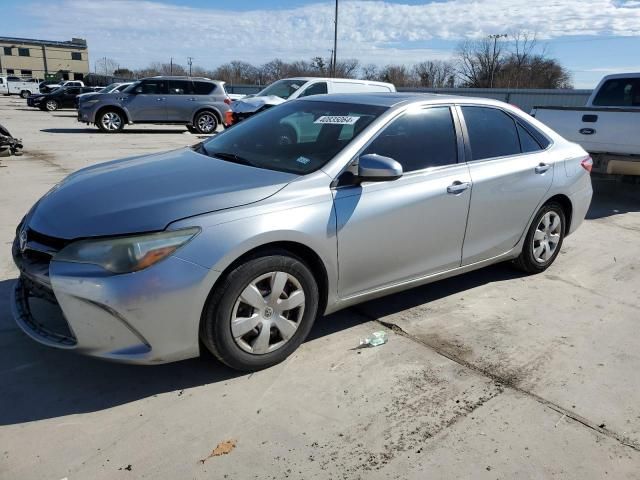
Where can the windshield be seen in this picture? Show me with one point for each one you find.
(282, 88)
(109, 88)
(131, 87)
(296, 137)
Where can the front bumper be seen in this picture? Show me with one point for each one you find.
(84, 114)
(147, 317)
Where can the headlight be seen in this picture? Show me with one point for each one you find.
(127, 254)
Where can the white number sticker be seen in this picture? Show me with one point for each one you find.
(337, 120)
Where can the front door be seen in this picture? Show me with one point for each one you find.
(148, 103)
(510, 172)
(394, 231)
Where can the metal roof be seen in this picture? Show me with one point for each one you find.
(75, 43)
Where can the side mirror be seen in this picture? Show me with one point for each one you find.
(376, 168)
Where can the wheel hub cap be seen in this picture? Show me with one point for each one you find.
(546, 237)
(267, 313)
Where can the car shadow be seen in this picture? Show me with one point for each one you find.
(613, 196)
(39, 382)
(123, 131)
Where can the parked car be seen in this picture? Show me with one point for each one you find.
(242, 240)
(299, 87)
(47, 87)
(608, 126)
(16, 86)
(112, 88)
(198, 103)
(63, 97)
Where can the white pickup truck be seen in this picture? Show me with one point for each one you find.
(608, 126)
(16, 86)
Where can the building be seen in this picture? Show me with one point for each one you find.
(44, 59)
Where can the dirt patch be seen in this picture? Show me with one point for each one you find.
(44, 157)
(223, 448)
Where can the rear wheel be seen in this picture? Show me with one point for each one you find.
(110, 121)
(544, 239)
(25, 94)
(205, 122)
(51, 105)
(261, 312)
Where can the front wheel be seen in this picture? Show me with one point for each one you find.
(110, 121)
(51, 105)
(205, 122)
(261, 312)
(544, 239)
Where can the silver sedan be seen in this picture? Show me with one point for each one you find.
(240, 242)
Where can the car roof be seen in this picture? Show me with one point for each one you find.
(181, 77)
(391, 99)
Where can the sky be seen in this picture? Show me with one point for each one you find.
(591, 38)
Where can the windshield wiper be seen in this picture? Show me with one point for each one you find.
(231, 157)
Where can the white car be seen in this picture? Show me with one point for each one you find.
(608, 126)
(292, 88)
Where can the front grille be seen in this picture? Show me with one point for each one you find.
(34, 259)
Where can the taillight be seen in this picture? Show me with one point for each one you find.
(587, 164)
(228, 118)
(227, 101)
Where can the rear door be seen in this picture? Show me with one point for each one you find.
(180, 100)
(510, 171)
(149, 102)
(395, 231)
(68, 96)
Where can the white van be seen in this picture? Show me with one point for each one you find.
(299, 87)
(17, 86)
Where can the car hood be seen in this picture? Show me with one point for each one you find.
(147, 193)
(253, 104)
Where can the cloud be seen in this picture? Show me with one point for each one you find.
(137, 32)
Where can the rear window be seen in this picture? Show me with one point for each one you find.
(619, 92)
(492, 133)
(204, 88)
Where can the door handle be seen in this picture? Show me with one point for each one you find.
(458, 187)
(192, 99)
(543, 167)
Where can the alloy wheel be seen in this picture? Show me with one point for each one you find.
(547, 237)
(206, 123)
(52, 105)
(267, 313)
(111, 121)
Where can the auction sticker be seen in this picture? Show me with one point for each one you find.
(337, 120)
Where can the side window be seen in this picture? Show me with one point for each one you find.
(315, 89)
(527, 142)
(154, 87)
(418, 140)
(180, 87)
(73, 91)
(204, 88)
(492, 133)
(619, 92)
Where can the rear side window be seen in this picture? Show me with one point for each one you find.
(180, 87)
(619, 92)
(204, 88)
(492, 133)
(418, 140)
(527, 142)
(315, 89)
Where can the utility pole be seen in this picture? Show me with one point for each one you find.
(495, 38)
(190, 62)
(171, 66)
(335, 43)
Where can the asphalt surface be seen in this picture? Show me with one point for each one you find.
(488, 375)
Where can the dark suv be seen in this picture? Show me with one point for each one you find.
(198, 103)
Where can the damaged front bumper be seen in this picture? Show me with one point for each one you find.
(147, 317)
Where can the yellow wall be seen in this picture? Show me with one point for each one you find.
(58, 58)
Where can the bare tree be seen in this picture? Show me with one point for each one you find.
(369, 72)
(435, 74)
(477, 61)
(106, 66)
(399, 75)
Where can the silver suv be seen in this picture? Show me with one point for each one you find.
(198, 103)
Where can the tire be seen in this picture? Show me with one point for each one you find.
(25, 94)
(244, 347)
(544, 239)
(205, 122)
(110, 121)
(51, 105)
